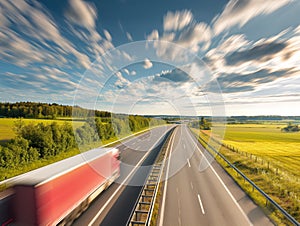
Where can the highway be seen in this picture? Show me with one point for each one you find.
(114, 205)
(191, 196)
(202, 197)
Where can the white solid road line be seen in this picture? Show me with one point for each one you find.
(163, 203)
(227, 190)
(201, 205)
(189, 163)
(123, 182)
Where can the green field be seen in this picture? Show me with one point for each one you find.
(7, 124)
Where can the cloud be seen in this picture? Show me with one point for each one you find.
(239, 55)
(121, 82)
(129, 37)
(81, 17)
(176, 75)
(31, 21)
(236, 82)
(81, 13)
(3, 21)
(14, 49)
(147, 64)
(153, 35)
(261, 52)
(232, 44)
(182, 30)
(107, 35)
(177, 20)
(239, 12)
(192, 36)
(129, 72)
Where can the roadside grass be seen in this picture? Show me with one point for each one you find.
(6, 173)
(7, 125)
(265, 166)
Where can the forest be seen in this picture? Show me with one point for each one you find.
(46, 111)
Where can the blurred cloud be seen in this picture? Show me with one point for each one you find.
(235, 82)
(192, 36)
(239, 55)
(121, 81)
(129, 37)
(81, 13)
(147, 64)
(239, 12)
(261, 52)
(35, 24)
(154, 35)
(177, 20)
(14, 49)
(82, 18)
(181, 29)
(173, 76)
(107, 35)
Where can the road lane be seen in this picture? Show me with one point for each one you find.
(121, 197)
(201, 197)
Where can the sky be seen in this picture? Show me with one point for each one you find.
(237, 57)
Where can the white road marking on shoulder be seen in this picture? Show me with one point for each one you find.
(201, 205)
(189, 162)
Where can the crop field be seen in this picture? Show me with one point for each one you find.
(7, 125)
(269, 157)
(266, 141)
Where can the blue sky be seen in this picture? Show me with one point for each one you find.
(153, 57)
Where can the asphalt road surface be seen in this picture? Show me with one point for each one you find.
(114, 205)
(194, 195)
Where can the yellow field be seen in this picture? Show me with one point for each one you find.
(267, 141)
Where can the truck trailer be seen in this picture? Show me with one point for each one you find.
(58, 193)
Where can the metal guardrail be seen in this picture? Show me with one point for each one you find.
(268, 198)
(144, 206)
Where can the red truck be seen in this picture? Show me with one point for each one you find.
(58, 193)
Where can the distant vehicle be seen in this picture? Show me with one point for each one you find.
(58, 193)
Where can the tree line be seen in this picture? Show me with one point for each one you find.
(46, 111)
(290, 128)
(203, 124)
(41, 141)
(96, 129)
